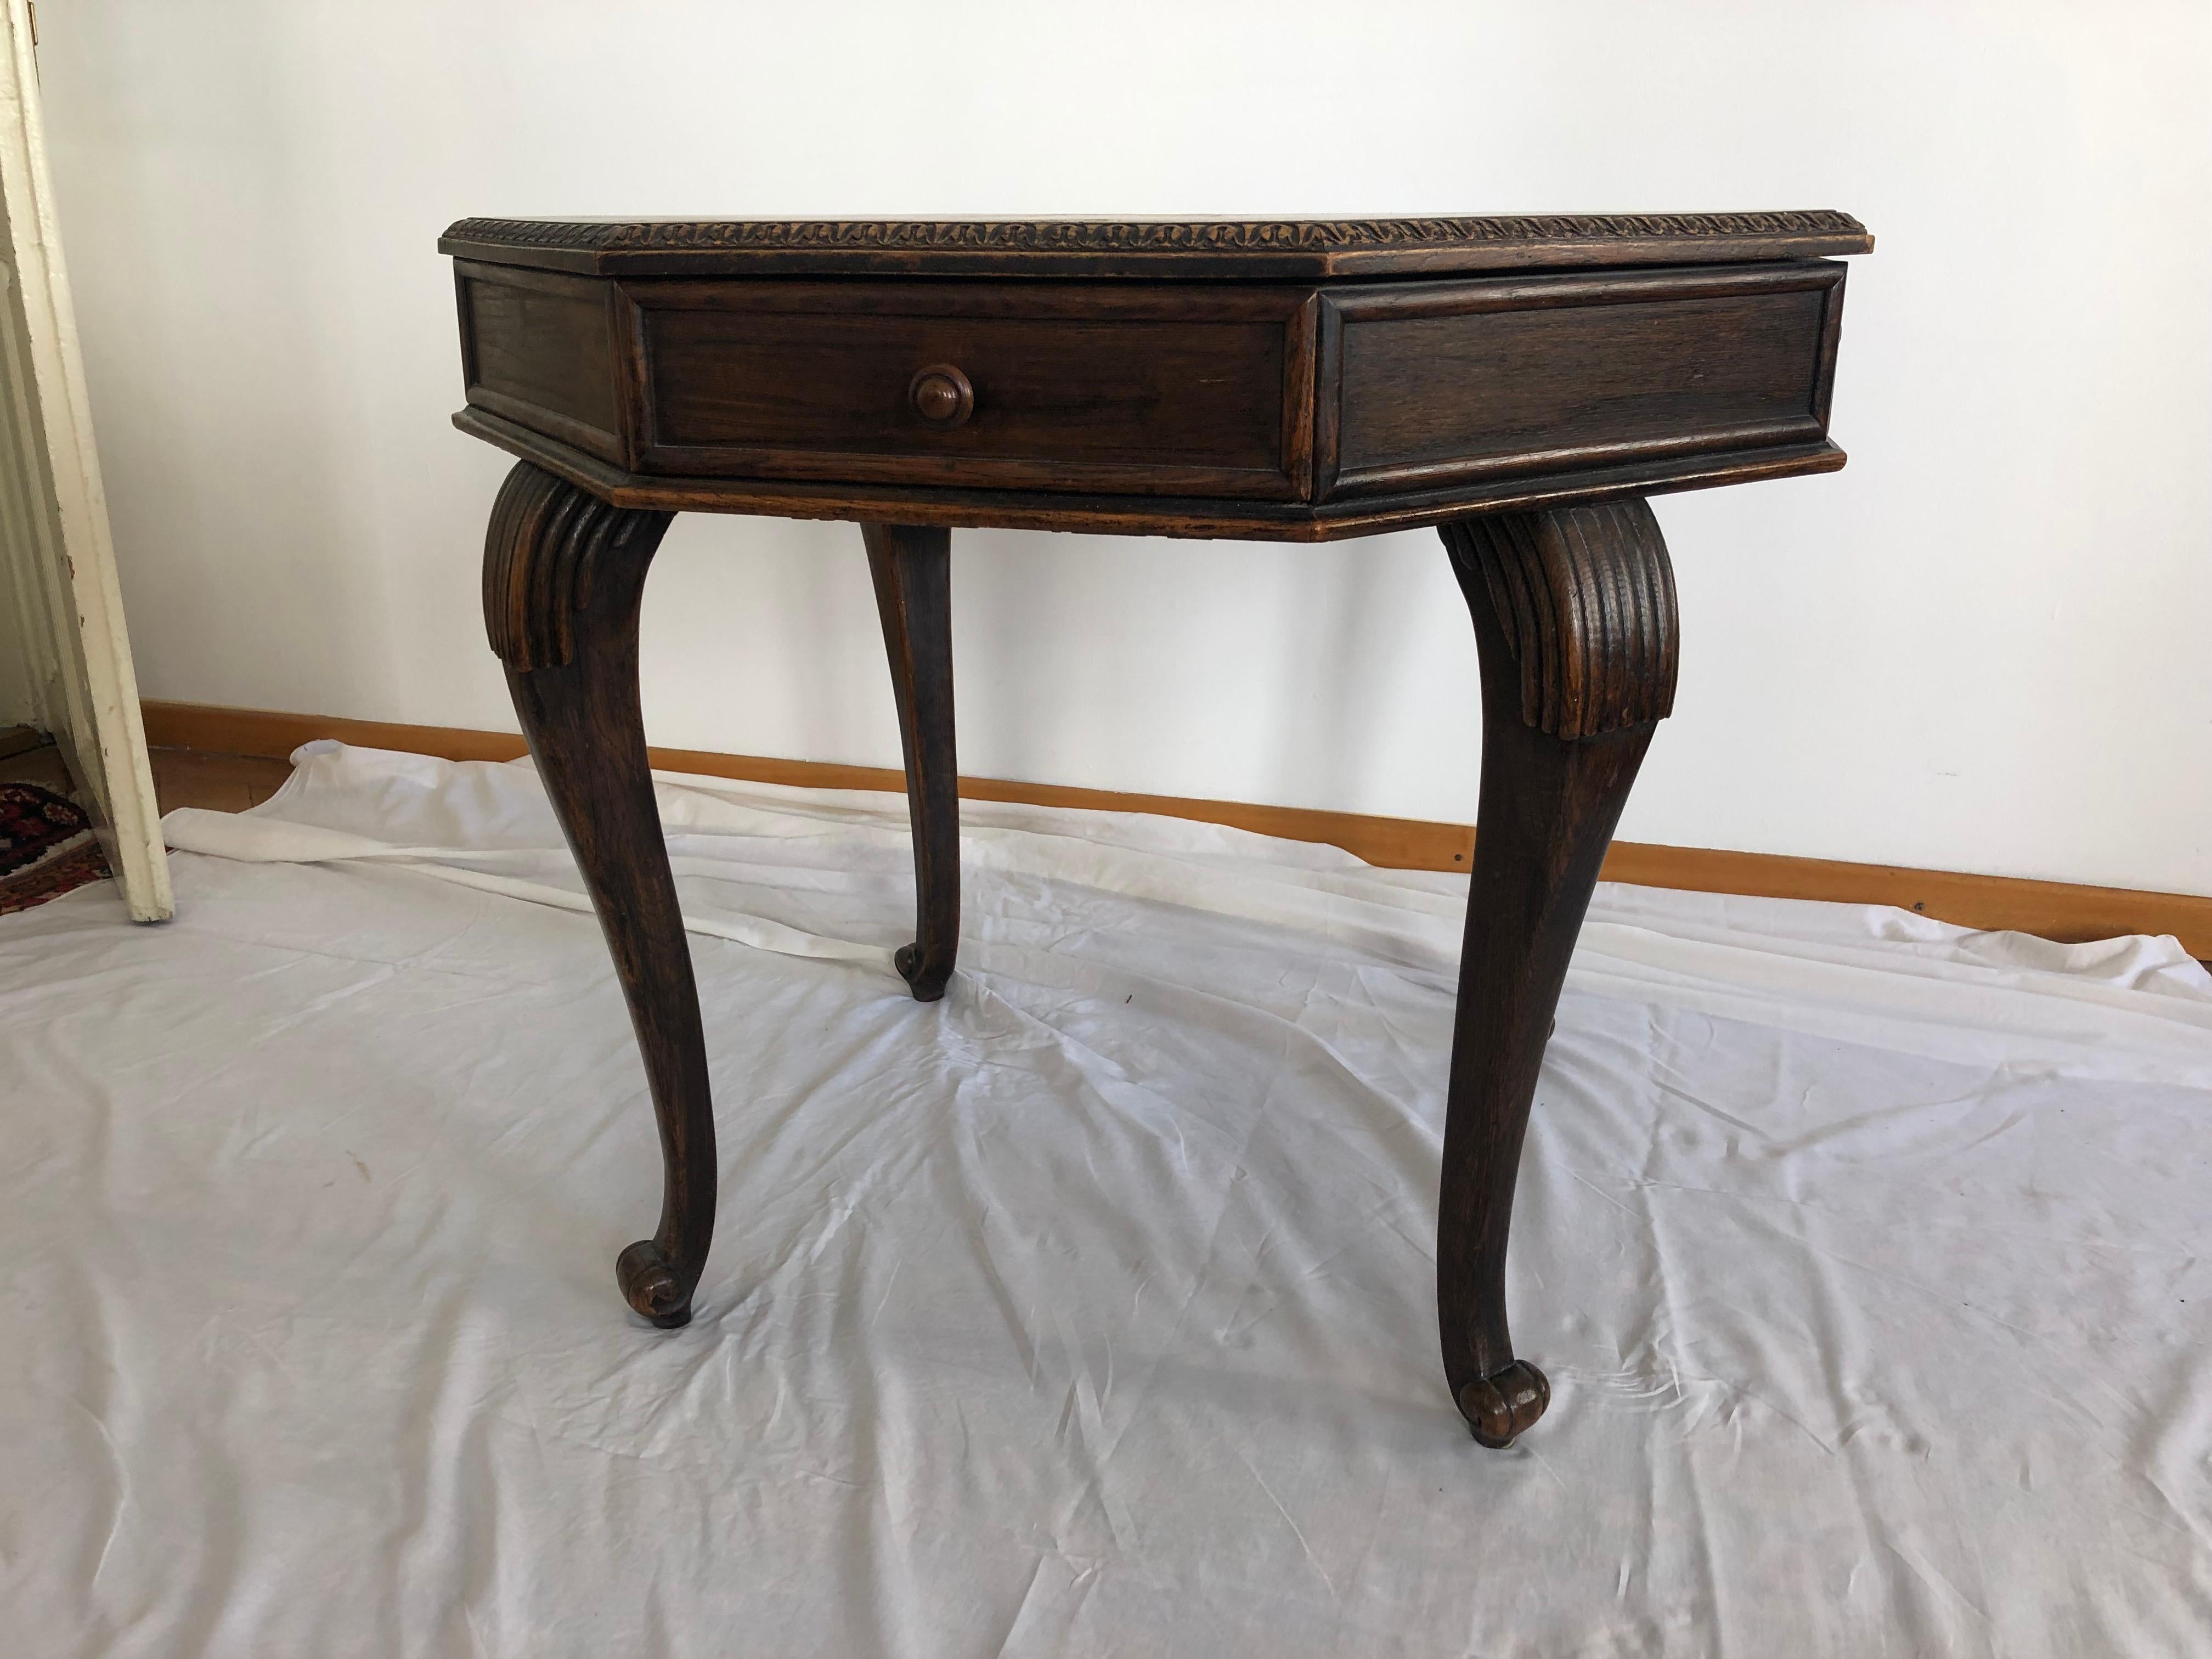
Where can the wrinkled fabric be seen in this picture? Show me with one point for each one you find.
(1091, 1310)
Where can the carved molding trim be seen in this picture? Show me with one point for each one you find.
(1584, 601)
(546, 555)
(1141, 236)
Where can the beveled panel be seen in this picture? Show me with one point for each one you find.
(539, 349)
(1439, 383)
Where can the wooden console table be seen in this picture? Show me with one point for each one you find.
(1520, 383)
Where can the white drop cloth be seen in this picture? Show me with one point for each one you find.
(1089, 1311)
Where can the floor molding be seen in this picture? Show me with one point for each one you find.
(2057, 910)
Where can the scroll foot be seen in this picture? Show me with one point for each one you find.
(1497, 1408)
(925, 980)
(650, 1285)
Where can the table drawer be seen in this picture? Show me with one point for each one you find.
(1174, 390)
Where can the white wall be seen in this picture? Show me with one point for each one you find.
(1982, 647)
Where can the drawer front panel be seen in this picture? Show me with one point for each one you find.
(1442, 383)
(1165, 392)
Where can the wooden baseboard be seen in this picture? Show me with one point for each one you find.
(2056, 910)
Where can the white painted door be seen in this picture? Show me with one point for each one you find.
(64, 658)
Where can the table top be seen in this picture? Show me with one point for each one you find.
(1177, 248)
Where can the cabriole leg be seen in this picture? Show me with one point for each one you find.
(1574, 616)
(912, 567)
(563, 572)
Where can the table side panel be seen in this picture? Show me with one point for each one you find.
(541, 350)
(1430, 383)
(1166, 390)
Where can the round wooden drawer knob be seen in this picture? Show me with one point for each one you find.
(941, 395)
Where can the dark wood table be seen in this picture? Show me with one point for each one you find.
(1522, 384)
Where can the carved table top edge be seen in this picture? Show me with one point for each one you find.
(1139, 248)
(1145, 515)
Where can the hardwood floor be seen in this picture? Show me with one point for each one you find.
(182, 777)
(221, 783)
(25, 758)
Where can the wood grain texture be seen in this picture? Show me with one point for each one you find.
(1438, 383)
(2068, 912)
(1141, 248)
(1153, 389)
(1574, 620)
(911, 571)
(563, 575)
(540, 348)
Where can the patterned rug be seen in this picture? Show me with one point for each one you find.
(46, 847)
